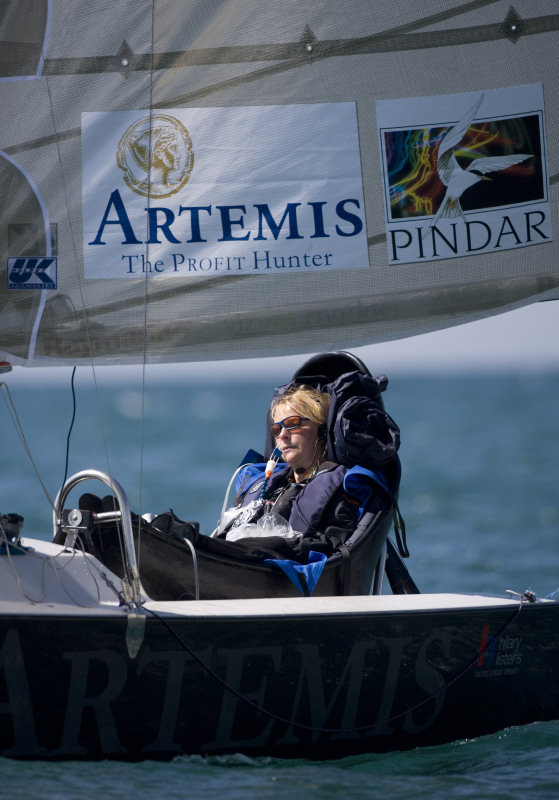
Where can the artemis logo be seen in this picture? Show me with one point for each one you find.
(155, 155)
(32, 273)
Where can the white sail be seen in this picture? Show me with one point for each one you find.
(211, 180)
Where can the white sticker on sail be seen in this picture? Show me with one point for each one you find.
(464, 174)
(222, 191)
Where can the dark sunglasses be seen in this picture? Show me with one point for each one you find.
(289, 423)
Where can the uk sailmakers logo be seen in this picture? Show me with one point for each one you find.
(464, 174)
(155, 155)
(256, 190)
(32, 273)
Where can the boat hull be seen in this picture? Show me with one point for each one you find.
(301, 677)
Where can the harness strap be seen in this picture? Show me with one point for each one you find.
(345, 572)
(400, 530)
(398, 576)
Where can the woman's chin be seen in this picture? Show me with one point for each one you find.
(289, 456)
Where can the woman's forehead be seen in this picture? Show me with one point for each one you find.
(283, 410)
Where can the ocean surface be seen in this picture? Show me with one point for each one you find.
(480, 496)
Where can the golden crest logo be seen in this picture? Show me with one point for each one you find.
(155, 155)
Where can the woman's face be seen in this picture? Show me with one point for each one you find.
(298, 446)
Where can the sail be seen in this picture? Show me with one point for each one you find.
(212, 180)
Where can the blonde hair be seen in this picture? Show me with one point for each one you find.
(307, 402)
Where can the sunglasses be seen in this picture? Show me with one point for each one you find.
(289, 423)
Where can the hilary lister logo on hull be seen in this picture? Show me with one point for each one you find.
(464, 174)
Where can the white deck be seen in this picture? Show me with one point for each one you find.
(331, 606)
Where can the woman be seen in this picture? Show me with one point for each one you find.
(306, 491)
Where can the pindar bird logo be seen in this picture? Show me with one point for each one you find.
(456, 178)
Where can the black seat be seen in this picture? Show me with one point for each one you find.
(226, 570)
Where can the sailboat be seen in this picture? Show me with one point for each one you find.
(189, 181)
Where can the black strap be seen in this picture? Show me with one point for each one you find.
(400, 531)
(397, 573)
(241, 491)
(345, 571)
(283, 499)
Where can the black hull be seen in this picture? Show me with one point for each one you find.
(287, 683)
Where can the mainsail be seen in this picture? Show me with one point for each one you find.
(212, 180)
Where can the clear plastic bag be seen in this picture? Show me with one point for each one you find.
(268, 525)
(234, 518)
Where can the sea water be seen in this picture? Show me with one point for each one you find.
(479, 496)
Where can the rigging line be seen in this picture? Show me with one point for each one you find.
(146, 287)
(46, 561)
(358, 728)
(51, 561)
(73, 388)
(19, 429)
(5, 542)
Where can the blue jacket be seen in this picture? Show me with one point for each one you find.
(309, 509)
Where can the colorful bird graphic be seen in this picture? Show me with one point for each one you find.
(456, 178)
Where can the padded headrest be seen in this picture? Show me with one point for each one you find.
(321, 371)
(330, 366)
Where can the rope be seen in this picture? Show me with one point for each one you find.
(146, 291)
(18, 426)
(73, 388)
(358, 728)
(50, 561)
